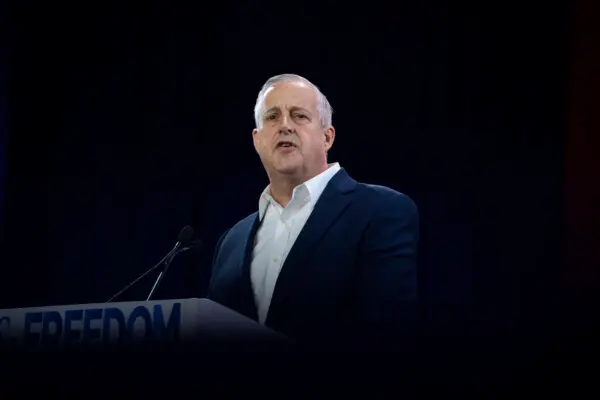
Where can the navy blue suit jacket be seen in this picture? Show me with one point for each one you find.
(350, 277)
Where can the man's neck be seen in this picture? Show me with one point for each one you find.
(283, 188)
(281, 192)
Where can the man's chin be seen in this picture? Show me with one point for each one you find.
(288, 169)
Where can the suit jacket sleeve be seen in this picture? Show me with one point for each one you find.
(387, 281)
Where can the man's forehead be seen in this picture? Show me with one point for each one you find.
(290, 94)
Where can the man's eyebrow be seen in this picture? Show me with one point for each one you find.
(293, 108)
(274, 108)
(296, 108)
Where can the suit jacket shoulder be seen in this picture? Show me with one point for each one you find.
(382, 198)
(241, 225)
(232, 235)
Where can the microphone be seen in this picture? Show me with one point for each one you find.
(183, 244)
(184, 239)
(195, 245)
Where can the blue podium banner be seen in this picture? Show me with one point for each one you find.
(170, 321)
(97, 323)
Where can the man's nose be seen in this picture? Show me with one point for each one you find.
(286, 126)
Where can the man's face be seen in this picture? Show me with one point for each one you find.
(292, 140)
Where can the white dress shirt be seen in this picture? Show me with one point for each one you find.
(278, 232)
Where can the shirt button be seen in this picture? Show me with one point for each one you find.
(276, 259)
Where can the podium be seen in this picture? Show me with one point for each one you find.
(185, 321)
(171, 343)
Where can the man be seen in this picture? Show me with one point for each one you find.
(326, 260)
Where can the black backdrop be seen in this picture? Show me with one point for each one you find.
(127, 123)
(3, 107)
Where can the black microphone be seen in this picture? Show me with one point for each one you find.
(183, 240)
(183, 244)
(195, 245)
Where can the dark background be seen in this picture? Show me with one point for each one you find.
(3, 107)
(127, 123)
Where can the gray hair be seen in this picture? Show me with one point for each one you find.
(323, 106)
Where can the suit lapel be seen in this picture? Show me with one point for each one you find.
(332, 203)
(247, 293)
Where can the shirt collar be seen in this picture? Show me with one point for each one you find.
(315, 186)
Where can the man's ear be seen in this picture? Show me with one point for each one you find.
(255, 139)
(329, 137)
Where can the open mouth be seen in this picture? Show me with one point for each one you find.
(285, 145)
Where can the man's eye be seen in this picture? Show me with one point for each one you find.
(300, 116)
(270, 117)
